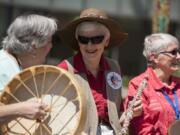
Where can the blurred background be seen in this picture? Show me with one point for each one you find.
(137, 17)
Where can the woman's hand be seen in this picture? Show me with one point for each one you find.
(32, 110)
(138, 108)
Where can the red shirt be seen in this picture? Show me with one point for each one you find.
(158, 114)
(97, 84)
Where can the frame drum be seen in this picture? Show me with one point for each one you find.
(174, 129)
(55, 87)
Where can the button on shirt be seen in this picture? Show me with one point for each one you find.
(158, 114)
(97, 84)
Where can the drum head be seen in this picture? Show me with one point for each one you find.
(55, 87)
(174, 129)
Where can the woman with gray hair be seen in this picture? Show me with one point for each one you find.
(28, 41)
(161, 97)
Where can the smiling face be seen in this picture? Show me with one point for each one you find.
(92, 38)
(168, 60)
(162, 53)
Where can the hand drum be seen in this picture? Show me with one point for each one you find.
(55, 87)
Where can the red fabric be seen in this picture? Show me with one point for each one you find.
(97, 84)
(158, 114)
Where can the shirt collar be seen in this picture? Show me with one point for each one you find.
(174, 81)
(157, 83)
(79, 64)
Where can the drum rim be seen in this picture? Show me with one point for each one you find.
(82, 103)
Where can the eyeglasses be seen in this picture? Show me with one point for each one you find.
(173, 52)
(94, 40)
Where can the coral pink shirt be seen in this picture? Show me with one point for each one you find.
(158, 114)
(97, 84)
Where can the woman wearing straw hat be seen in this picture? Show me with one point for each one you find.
(89, 35)
(28, 41)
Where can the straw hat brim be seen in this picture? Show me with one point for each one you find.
(67, 33)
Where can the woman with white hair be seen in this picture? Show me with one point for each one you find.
(161, 97)
(28, 41)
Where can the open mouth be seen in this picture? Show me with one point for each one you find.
(91, 51)
(175, 64)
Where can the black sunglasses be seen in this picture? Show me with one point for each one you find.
(94, 40)
(173, 52)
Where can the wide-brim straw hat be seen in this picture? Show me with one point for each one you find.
(67, 33)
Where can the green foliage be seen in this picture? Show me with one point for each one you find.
(177, 73)
(126, 80)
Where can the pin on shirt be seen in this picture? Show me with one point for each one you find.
(114, 80)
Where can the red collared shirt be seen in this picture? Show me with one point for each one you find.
(158, 114)
(97, 84)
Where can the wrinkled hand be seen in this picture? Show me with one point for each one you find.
(33, 110)
(138, 108)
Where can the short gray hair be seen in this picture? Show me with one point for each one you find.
(155, 43)
(28, 31)
(81, 26)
